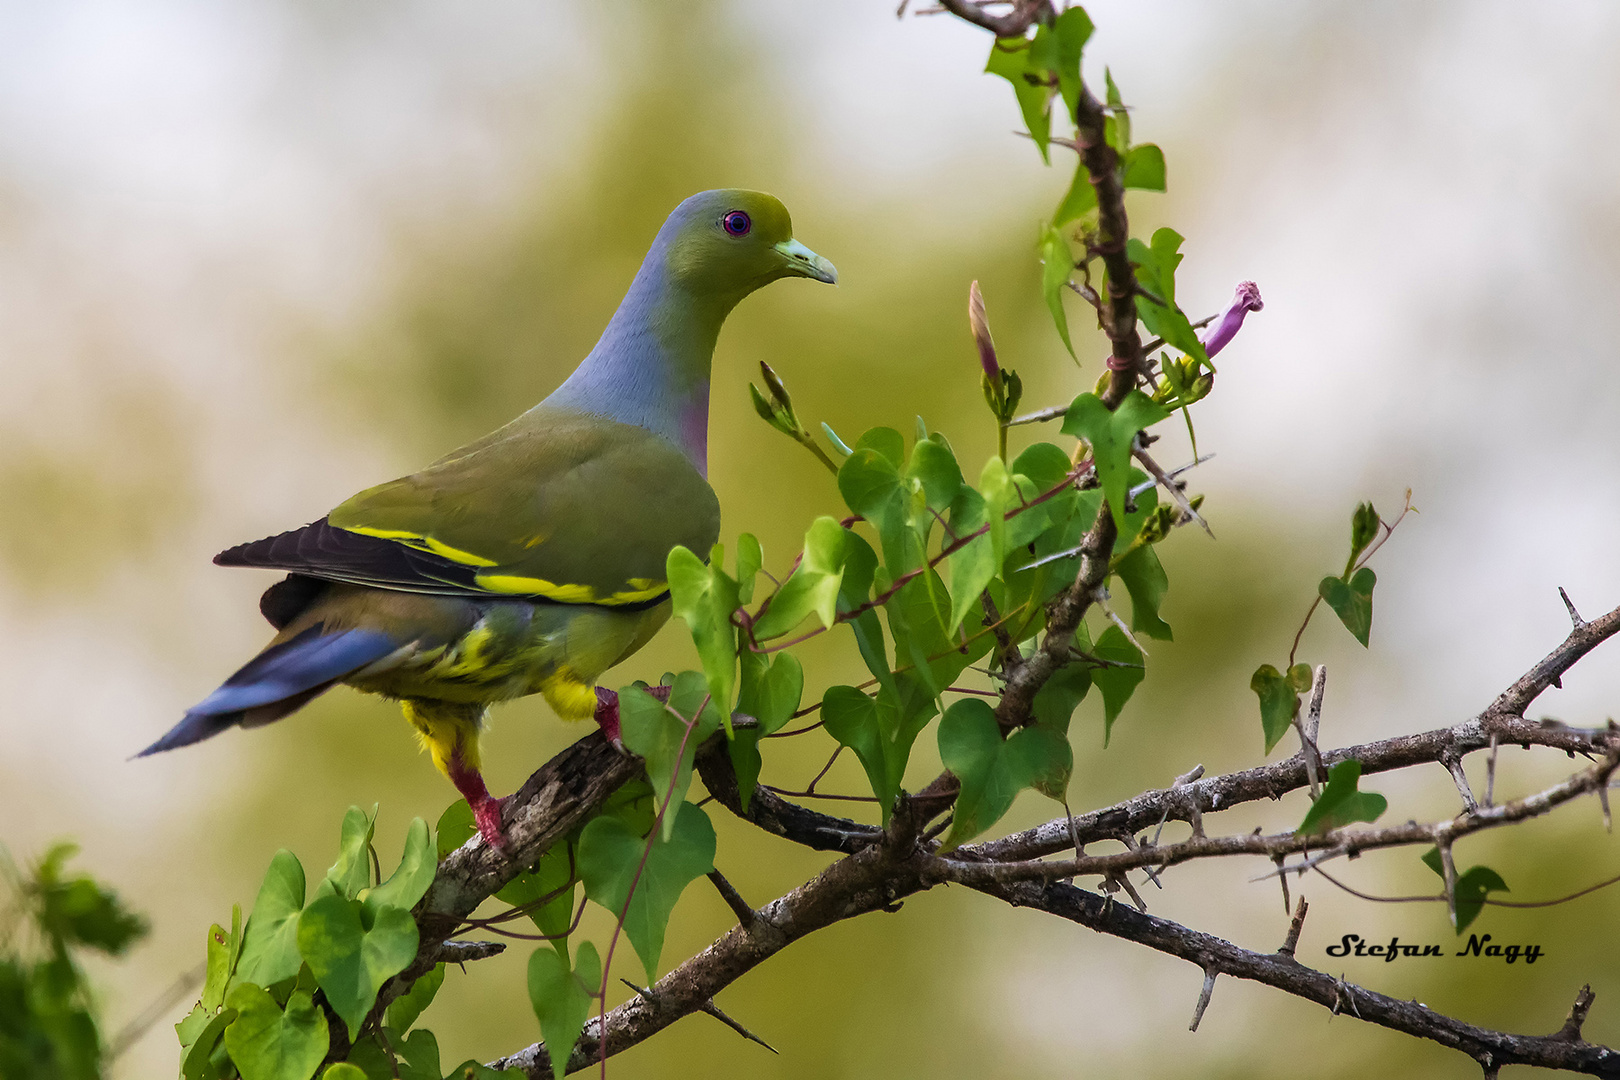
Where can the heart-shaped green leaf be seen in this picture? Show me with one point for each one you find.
(1061, 694)
(455, 827)
(223, 951)
(973, 565)
(609, 855)
(270, 943)
(199, 1035)
(352, 871)
(1340, 803)
(917, 618)
(417, 865)
(1011, 59)
(1351, 601)
(1110, 435)
(933, 467)
(1278, 702)
(1078, 201)
(562, 999)
(880, 730)
(770, 692)
(813, 587)
(750, 559)
(1146, 581)
(350, 959)
(1057, 266)
(1469, 894)
(418, 1055)
(705, 597)
(1144, 168)
(992, 771)
(269, 1043)
(657, 733)
(1156, 264)
(870, 483)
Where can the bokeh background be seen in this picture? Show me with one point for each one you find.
(257, 255)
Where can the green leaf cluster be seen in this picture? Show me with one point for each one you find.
(948, 566)
(48, 1014)
(624, 860)
(1043, 65)
(263, 1014)
(1042, 68)
(1350, 597)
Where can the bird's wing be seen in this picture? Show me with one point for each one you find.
(557, 506)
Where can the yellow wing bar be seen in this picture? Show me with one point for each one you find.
(424, 543)
(640, 591)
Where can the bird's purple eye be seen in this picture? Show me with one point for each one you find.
(737, 223)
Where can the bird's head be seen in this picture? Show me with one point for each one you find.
(730, 242)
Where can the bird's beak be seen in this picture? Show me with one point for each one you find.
(802, 262)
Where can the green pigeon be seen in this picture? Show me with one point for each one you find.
(531, 560)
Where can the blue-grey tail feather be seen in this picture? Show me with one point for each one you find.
(285, 675)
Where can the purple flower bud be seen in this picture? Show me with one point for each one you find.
(1246, 300)
(981, 334)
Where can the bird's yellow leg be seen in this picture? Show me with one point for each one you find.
(449, 731)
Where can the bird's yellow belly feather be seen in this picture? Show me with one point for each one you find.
(518, 648)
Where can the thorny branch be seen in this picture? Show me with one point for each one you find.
(885, 867)
(882, 867)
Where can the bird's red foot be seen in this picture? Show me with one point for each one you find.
(607, 711)
(607, 715)
(486, 808)
(487, 816)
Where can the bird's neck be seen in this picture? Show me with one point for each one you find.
(651, 366)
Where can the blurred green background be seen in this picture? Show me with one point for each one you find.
(255, 256)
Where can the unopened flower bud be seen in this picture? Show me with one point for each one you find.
(774, 384)
(981, 334)
(1246, 300)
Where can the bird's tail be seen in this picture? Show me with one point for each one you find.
(276, 682)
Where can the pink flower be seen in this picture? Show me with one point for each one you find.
(1246, 300)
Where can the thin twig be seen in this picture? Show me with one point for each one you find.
(1490, 772)
(1295, 927)
(177, 991)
